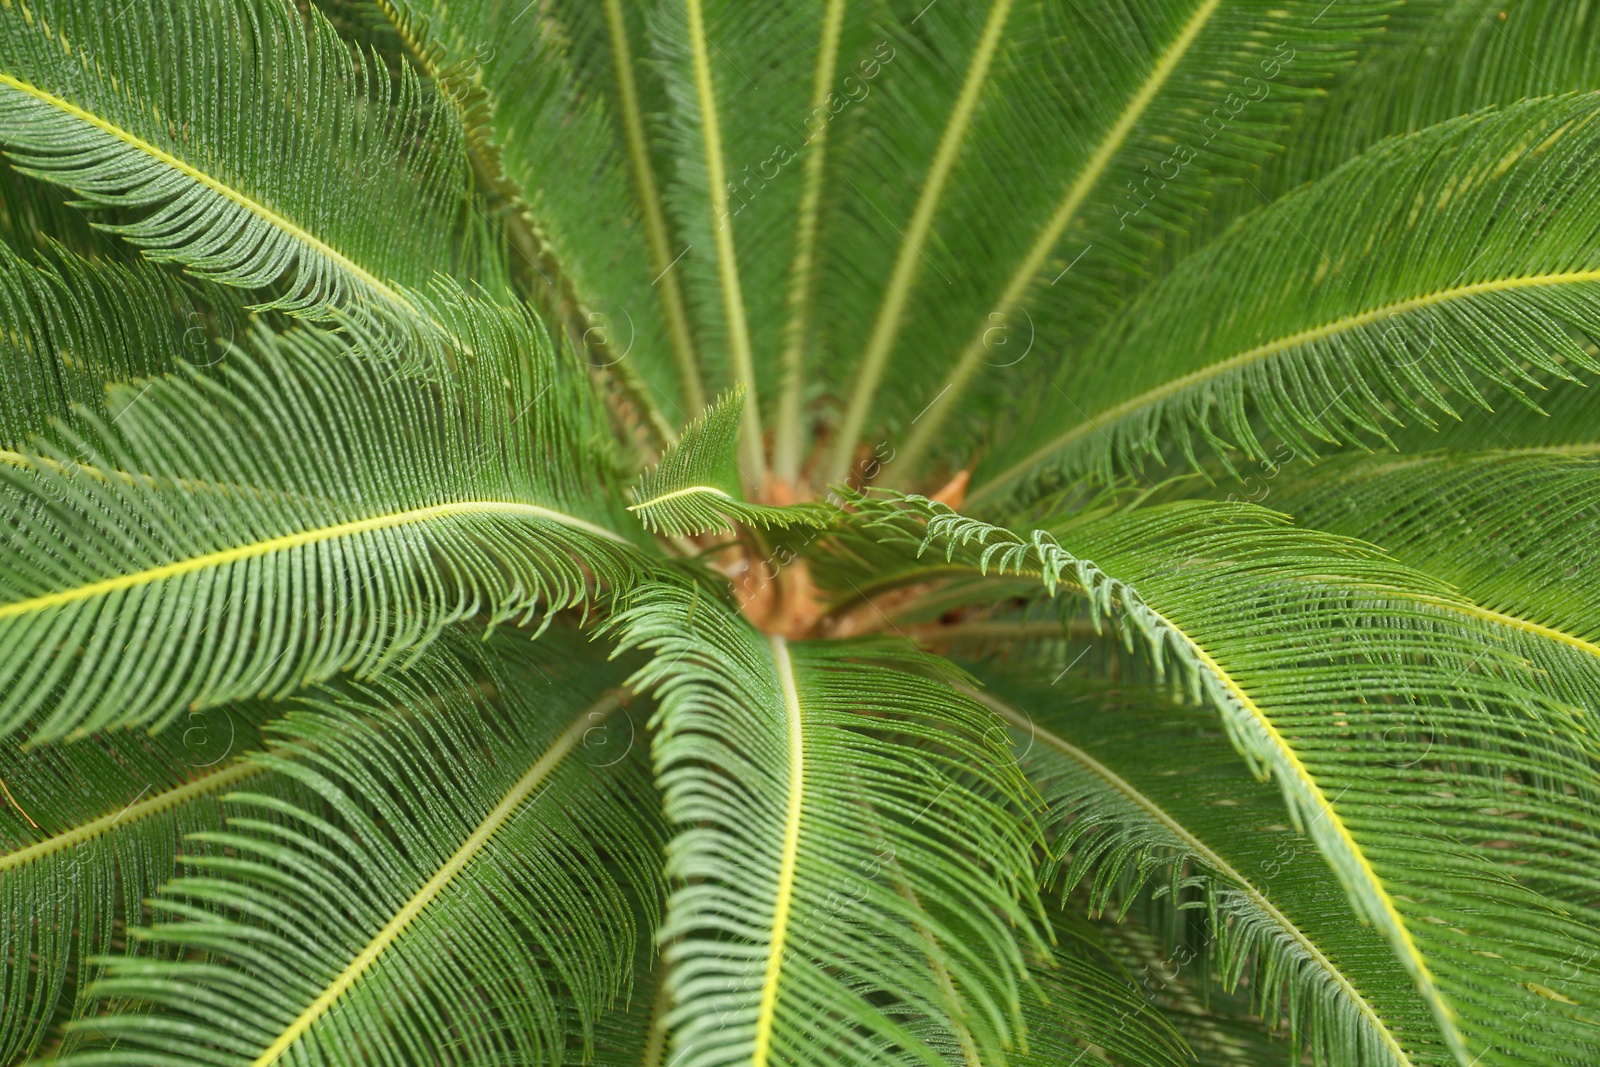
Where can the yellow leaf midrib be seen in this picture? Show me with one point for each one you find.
(786, 438)
(227, 556)
(260, 210)
(891, 308)
(1088, 177)
(419, 901)
(133, 813)
(655, 226)
(1097, 423)
(693, 490)
(783, 899)
(1288, 763)
(1209, 855)
(752, 455)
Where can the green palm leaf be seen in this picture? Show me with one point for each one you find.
(75, 325)
(824, 800)
(1129, 116)
(335, 518)
(338, 337)
(1431, 265)
(1511, 532)
(695, 488)
(1219, 1027)
(90, 830)
(1476, 59)
(1375, 690)
(481, 910)
(1091, 1002)
(573, 74)
(1133, 802)
(191, 114)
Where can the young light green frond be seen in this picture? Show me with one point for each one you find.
(298, 511)
(1429, 266)
(253, 147)
(1131, 118)
(461, 889)
(1288, 631)
(853, 859)
(73, 325)
(1140, 793)
(89, 830)
(695, 488)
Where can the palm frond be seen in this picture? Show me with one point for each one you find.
(1287, 631)
(35, 216)
(852, 872)
(87, 832)
(722, 198)
(1218, 1026)
(1512, 532)
(298, 511)
(460, 890)
(570, 74)
(1099, 131)
(695, 488)
(1091, 1002)
(1565, 421)
(1475, 58)
(1140, 792)
(259, 151)
(76, 325)
(1432, 265)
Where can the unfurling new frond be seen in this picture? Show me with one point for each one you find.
(695, 488)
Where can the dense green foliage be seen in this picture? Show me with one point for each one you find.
(697, 533)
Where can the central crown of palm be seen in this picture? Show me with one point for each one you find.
(1049, 532)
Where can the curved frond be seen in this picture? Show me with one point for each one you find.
(1140, 792)
(255, 148)
(1514, 533)
(695, 488)
(460, 888)
(87, 832)
(298, 512)
(1132, 118)
(852, 873)
(1431, 265)
(569, 74)
(1475, 58)
(1366, 690)
(1218, 1026)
